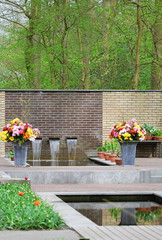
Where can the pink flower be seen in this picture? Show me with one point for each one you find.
(115, 134)
(134, 120)
(21, 131)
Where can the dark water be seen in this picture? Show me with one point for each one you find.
(85, 162)
(121, 213)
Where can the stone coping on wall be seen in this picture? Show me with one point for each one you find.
(75, 90)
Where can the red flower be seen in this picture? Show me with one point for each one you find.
(21, 194)
(26, 178)
(5, 128)
(37, 202)
(0, 181)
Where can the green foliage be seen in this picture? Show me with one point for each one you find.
(157, 133)
(20, 212)
(11, 153)
(107, 146)
(150, 129)
(99, 149)
(148, 216)
(115, 146)
(75, 45)
(115, 212)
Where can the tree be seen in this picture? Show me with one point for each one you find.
(156, 68)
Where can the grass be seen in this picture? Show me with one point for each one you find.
(21, 208)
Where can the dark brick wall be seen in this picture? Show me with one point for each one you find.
(59, 115)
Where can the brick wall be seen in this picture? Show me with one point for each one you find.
(145, 106)
(86, 115)
(2, 121)
(60, 115)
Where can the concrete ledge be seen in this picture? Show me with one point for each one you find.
(78, 177)
(69, 214)
(14, 180)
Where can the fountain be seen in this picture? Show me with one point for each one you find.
(71, 144)
(36, 146)
(55, 148)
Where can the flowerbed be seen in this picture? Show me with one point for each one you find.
(20, 208)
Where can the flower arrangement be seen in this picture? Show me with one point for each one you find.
(128, 131)
(18, 132)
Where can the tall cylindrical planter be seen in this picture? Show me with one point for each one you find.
(20, 154)
(128, 151)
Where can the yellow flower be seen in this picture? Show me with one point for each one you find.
(120, 138)
(30, 132)
(11, 138)
(131, 139)
(15, 120)
(126, 135)
(118, 126)
(35, 134)
(3, 135)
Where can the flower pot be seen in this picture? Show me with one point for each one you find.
(12, 159)
(118, 161)
(149, 138)
(113, 158)
(159, 138)
(128, 151)
(20, 154)
(101, 155)
(107, 156)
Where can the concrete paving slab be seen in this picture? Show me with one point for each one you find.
(40, 235)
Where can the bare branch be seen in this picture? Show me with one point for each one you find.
(13, 22)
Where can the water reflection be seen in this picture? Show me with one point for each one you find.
(128, 216)
(127, 213)
(84, 162)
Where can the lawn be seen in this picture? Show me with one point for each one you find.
(21, 208)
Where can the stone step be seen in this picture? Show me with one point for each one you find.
(156, 172)
(156, 179)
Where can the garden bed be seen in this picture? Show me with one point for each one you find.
(21, 208)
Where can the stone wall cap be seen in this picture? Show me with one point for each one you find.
(75, 90)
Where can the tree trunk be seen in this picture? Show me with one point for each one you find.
(156, 68)
(84, 48)
(139, 23)
(33, 52)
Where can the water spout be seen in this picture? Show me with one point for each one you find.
(71, 144)
(55, 148)
(36, 146)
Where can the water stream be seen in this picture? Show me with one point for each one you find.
(55, 149)
(71, 145)
(36, 146)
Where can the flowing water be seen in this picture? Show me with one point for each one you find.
(71, 145)
(55, 148)
(36, 146)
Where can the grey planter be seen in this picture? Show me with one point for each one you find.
(128, 151)
(20, 154)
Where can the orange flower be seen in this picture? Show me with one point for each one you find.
(37, 202)
(21, 194)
